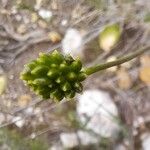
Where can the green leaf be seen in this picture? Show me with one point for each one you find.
(109, 37)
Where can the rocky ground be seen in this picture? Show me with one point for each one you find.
(113, 110)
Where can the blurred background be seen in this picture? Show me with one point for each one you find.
(113, 112)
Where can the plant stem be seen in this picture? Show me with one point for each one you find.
(117, 62)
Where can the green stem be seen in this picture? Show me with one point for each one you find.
(122, 60)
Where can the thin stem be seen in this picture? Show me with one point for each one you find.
(122, 60)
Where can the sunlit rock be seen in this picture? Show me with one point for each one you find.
(120, 147)
(146, 141)
(56, 147)
(72, 43)
(45, 14)
(72, 140)
(96, 109)
(18, 121)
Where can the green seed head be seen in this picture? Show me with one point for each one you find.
(54, 76)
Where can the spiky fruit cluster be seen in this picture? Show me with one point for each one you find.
(54, 76)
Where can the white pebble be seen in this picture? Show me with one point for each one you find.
(98, 106)
(72, 43)
(45, 14)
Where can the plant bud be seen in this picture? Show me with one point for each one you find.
(32, 65)
(70, 94)
(78, 87)
(64, 67)
(56, 57)
(56, 95)
(52, 73)
(54, 76)
(44, 59)
(60, 80)
(39, 70)
(66, 87)
(76, 65)
(82, 76)
(72, 76)
(69, 59)
(41, 81)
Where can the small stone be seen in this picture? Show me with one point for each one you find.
(13, 10)
(33, 135)
(145, 60)
(11, 77)
(41, 119)
(8, 103)
(146, 141)
(37, 110)
(120, 147)
(54, 5)
(45, 14)
(24, 100)
(90, 139)
(71, 140)
(21, 29)
(5, 147)
(64, 22)
(18, 17)
(34, 17)
(145, 74)
(54, 36)
(124, 79)
(18, 121)
(72, 43)
(29, 111)
(42, 24)
(56, 147)
(98, 106)
(38, 4)
(138, 122)
(4, 11)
